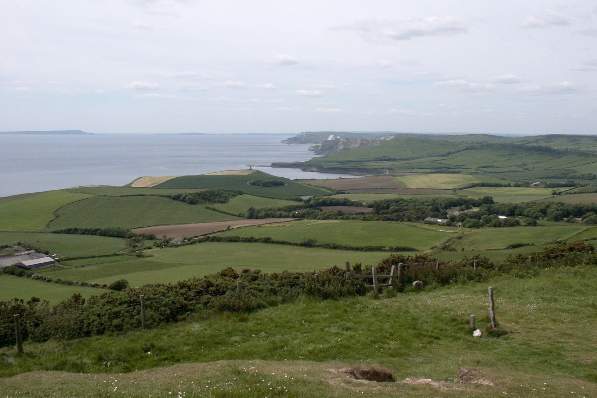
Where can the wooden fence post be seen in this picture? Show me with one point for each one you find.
(18, 334)
(492, 320)
(142, 312)
(400, 274)
(374, 280)
(472, 322)
(391, 281)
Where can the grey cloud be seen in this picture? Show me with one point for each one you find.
(546, 21)
(143, 86)
(285, 60)
(309, 93)
(563, 87)
(506, 79)
(377, 30)
(465, 85)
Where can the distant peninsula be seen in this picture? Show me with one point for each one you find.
(48, 132)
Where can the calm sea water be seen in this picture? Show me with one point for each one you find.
(33, 163)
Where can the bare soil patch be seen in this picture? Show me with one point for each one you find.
(181, 231)
(348, 209)
(150, 181)
(371, 373)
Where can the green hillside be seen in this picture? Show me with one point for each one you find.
(287, 189)
(131, 212)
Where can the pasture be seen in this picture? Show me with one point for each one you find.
(191, 230)
(131, 212)
(23, 288)
(437, 180)
(577, 198)
(509, 194)
(32, 212)
(240, 204)
(65, 245)
(247, 183)
(353, 233)
(303, 347)
(174, 264)
(499, 243)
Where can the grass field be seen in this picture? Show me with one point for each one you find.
(131, 212)
(509, 194)
(31, 212)
(243, 183)
(174, 264)
(493, 242)
(354, 233)
(129, 191)
(579, 198)
(419, 336)
(23, 288)
(65, 245)
(240, 204)
(437, 180)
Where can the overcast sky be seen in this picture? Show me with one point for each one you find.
(503, 66)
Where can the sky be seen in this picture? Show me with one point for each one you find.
(277, 66)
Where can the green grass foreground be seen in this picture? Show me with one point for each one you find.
(551, 320)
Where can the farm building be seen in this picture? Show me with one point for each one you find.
(36, 263)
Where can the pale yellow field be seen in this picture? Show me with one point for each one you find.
(437, 180)
(150, 181)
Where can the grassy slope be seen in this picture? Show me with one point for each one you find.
(551, 320)
(437, 180)
(579, 198)
(509, 194)
(23, 288)
(493, 242)
(422, 154)
(132, 211)
(355, 233)
(31, 212)
(167, 265)
(125, 191)
(290, 190)
(65, 245)
(240, 204)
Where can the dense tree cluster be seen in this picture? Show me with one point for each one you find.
(209, 196)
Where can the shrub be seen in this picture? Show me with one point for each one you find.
(119, 285)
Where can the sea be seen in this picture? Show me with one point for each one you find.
(38, 162)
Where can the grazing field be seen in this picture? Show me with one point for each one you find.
(509, 194)
(578, 198)
(129, 191)
(305, 347)
(23, 288)
(190, 230)
(369, 198)
(32, 212)
(247, 183)
(437, 180)
(353, 233)
(65, 245)
(240, 204)
(499, 243)
(174, 264)
(131, 212)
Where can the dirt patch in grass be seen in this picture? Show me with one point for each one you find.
(371, 374)
(149, 181)
(181, 231)
(371, 184)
